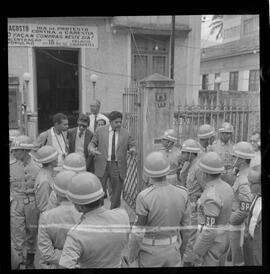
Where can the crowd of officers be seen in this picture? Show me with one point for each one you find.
(201, 207)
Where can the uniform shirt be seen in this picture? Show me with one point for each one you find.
(194, 180)
(242, 198)
(110, 143)
(43, 187)
(59, 144)
(215, 204)
(88, 246)
(224, 151)
(52, 201)
(53, 227)
(22, 177)
(164, 205)
(79, 143)
(173, 155)
(92, 120)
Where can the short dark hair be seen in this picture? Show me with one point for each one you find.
(58, 117)
(95, 204)
(114, 115)
(84, 118)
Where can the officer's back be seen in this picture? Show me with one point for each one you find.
(166, 206)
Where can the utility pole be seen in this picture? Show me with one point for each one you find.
(172, 47)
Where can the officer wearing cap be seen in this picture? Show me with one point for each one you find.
(253, 239)
(99, 238)
(242, 154)
(48, 157)
(214, 207)
(54, 224)
(172, 153)
(161, 209)
(23, 210)
(223, 147)
(74, 162)
(13, 133)
(191, 149)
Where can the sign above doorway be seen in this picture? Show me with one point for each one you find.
(42, 35)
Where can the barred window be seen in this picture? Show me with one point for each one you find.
(205, 81)
(254, 80)
(233, 83)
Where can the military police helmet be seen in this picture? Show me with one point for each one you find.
(74, 161)
(46, 154)
(13, 133)
(61, 182)
(191, 145)
(84, 188)
(22, 142)
(156, 164)
(226, 127)
(211, 163)
(243, 150)
(205, 131)
(170, 134)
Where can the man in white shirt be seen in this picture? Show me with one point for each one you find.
(110, 145)
(56, 137)
(96, 115)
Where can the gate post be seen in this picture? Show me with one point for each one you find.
(156, 115)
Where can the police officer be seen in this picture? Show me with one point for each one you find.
(206, 136)
(242, 154)
(48, 157)
(98, 240)
(54, 224)
(253, 239)
(23, 210)
(223, 147)
(13, 133)
(74, 162)
(162, 208)
(172, 153)
(214, 207)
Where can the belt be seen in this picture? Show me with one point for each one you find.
(165, 241)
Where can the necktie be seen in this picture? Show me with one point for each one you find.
(95, 123)
(113, 147)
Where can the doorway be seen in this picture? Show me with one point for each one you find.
(57, 85)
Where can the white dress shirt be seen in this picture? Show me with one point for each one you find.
(255, 214)
(79, 143)
(92, 120)
(110, 143)
(58, 142)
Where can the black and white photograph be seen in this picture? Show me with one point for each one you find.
(135, 141)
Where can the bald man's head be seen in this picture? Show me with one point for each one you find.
(95, 106)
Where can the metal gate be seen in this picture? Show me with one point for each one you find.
(132, 121)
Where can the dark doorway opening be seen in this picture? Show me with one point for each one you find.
(57, 85)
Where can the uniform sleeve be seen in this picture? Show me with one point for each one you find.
(42, 193)
(245, 199)
(211, 208)
(71, 252)
(194, 188)
(45, 246)
(141, 206)
(52, 202)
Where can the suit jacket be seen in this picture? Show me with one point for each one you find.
(71, 136)
(100, 141)
(45, 138)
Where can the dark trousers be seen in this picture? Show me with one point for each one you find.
(115, 183)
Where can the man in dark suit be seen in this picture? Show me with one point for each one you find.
(110, 145)
(79, 139)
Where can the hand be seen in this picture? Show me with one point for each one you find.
(95, 152)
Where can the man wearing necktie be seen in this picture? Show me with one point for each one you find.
(79, 139)
(110, 145)
(96, 115)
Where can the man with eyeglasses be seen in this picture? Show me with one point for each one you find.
(79, 138)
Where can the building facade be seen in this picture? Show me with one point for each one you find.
(51, 60)
(235, 62)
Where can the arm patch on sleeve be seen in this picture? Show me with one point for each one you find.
(210, 221)
(244, 206)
